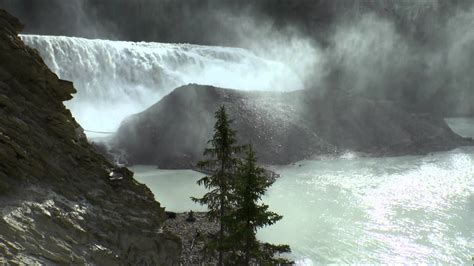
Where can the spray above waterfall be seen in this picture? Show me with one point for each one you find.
(115, 79)
(416, 53)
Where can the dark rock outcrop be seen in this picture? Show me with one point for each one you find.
(61, 202)
(283, 127)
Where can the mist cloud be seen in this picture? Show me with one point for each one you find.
(418, 53)
(371, 56)
(426, 67)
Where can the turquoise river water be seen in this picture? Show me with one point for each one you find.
(394, 210)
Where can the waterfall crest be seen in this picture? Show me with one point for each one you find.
(116, 78)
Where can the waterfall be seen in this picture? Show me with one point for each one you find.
(115, 79)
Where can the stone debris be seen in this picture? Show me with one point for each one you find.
(192, 235)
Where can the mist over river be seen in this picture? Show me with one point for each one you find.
(408, 209)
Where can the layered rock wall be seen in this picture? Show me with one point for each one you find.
(61, 202)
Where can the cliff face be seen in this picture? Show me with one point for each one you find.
(61, 202)
(283, 127)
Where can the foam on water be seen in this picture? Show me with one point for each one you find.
(115, 78)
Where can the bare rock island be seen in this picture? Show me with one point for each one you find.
(284, 127)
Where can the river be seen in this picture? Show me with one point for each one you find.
(407, 209)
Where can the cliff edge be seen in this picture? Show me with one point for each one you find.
(61, 202)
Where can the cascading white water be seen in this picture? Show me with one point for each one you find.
(115, 79)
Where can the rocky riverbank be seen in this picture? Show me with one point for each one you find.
(191, 234)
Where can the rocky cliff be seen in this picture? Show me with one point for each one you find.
(283, 127)
(61, 202)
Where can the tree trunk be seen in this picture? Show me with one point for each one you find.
(221, 230)
(247, 246)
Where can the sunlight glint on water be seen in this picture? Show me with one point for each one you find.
(382, 210)
(410, 209)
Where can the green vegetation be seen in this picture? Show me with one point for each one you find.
(234, 200)
(223, 162)
(250, 214)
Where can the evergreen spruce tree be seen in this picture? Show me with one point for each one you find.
(223, 164)
(249, 214)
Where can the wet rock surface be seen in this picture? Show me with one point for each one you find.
(60, 201)
(282, 127)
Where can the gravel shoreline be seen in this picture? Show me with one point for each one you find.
(192, 235)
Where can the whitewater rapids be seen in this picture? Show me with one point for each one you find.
(115, 79)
